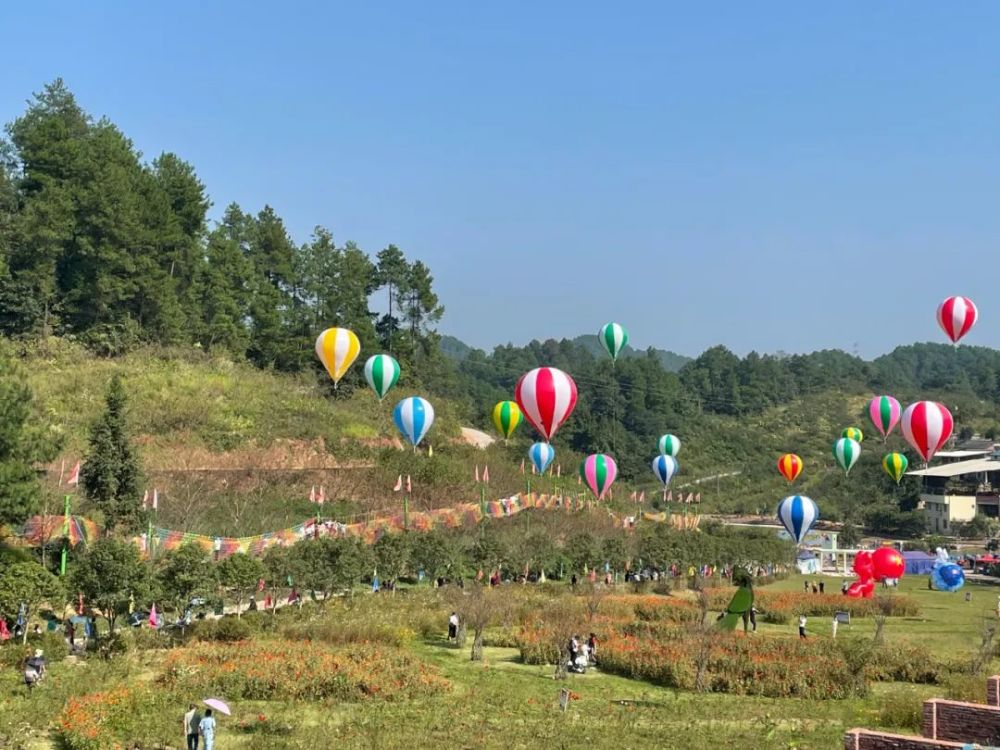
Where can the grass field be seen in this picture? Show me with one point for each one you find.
(504, 703)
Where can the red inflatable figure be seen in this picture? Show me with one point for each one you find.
(864, 587)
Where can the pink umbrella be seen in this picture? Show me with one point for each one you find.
(218, 705)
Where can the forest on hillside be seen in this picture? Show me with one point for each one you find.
(116, 251)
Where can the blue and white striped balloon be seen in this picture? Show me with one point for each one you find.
(541, 455)
(413, 417)
(665, 467)
(797, 514)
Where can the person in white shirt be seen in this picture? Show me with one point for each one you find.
(802, 626)
(191, 720)
(453, 627)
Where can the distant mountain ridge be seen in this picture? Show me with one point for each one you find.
(457, 349)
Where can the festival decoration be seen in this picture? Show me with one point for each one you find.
(547, 397)
(665, 467)
(741, 604)
(790, 466)
(614, 339)
(889, 563)
(541, 455)
(669, 445)
(884, 412)
(895, 465)
(797, 514)
(853, 433)
(846, 451)
(506, 418)
(927, 425)
(946, 575)
(956, 316)
(413, 417)
(598, 471)
(337, 348)
(864, 587)
(381, 372)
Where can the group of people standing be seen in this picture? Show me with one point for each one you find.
(198, 727)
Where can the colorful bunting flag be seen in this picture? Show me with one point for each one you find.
(74, 476)
(399, 484)
(409, 487)
(486, 475)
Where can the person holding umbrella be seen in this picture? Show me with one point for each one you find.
(206, 727)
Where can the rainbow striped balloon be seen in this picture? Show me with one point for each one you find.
(669, 445)
(614, 338)
(506, 417)
(381, 372)
(337, 348)
(598, 472)
(853, 433)
(885, 413)
(895, 465)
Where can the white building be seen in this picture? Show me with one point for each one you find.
(966, 484)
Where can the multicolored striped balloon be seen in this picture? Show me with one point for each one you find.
(614, 338)
(669, 445)
(790, 466)
(847, 452)
(797, 514)
(381, 372)
(895, 465)
(927, 425)
(413, 417)
(598, 472)
(506, 417)
(665, 467)
(853, 433)
(547, 396)
(337, 348)
(956, 316)
(541, 456)
(884, 412)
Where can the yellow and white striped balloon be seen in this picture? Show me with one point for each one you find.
(337, 348)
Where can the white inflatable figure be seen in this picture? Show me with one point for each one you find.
(942, 556)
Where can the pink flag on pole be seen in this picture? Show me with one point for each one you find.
(476, 475)
(409, 487)
(74, 476)
(321, 497)
(642, 496)
(312, 494)
(156, 498)
(486, 475)
(145, 500)
(558, 470)
(152, 616)
(670, 496)
(522, 467)
(399, 484)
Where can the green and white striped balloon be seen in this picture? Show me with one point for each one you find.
(614, 338)
(846, 451)
(669, 445)
(381, 372)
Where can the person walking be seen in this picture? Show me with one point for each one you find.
(802, 626)
(821, 587)
(753, 619)
(835, 623)
(805, 585)
(453, 627)
(191, 721)
(206, 727)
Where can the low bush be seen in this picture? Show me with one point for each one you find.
(901, 708)
(226, 630)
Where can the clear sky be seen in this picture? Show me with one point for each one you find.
(771, 176)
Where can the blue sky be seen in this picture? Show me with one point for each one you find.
(770, 176)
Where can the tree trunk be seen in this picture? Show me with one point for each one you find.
(477, 646)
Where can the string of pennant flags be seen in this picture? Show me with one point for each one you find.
(80, 530)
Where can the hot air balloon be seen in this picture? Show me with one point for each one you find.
(846, 451)
(665, 467)
(669, 445)
(614, 338)
(927, 425)
(337, 348)
(790, 466)
(506, 418)
(541, 455)
(853, 433)
(413, 417)
(797, 514)
(381, 372)
(598, 471)
(547, 397)
(888, 562)
(895, 465)
(956, 316)
(884, 412)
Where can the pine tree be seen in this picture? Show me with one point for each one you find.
(111, 475)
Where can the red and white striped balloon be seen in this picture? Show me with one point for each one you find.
(956, 316)
(547, 397)
(927, 425)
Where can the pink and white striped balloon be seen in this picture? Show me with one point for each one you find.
(927, 425)
(956, 316)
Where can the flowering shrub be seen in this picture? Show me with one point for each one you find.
(103, 721)
(275, 670)
(781, 607)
